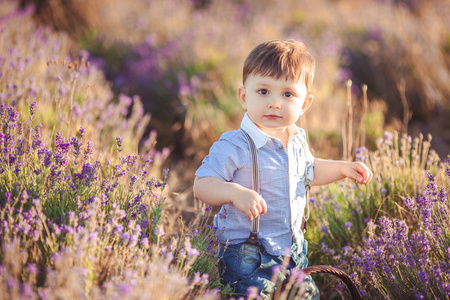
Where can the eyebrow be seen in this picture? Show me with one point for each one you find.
(269, 85)
(263, 85)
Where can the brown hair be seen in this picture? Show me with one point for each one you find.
(276, 58)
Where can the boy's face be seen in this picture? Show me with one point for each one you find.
(274, 104)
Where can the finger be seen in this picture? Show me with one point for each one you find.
(356, 176)
(263, 205)
(367, 175)
(249, 215)
(254, 212)
(258, 208)
(363, 177)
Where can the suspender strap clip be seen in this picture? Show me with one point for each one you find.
(253, 239)
(306, 215)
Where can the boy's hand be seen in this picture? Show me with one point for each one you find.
(358, 171)
(249, 202)
(214, 191)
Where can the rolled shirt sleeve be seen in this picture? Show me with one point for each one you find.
(223, 159)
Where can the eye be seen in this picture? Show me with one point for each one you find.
(288, 94)
(263, 92)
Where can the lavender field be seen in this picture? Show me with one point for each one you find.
(107, 108)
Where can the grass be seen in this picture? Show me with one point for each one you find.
(87, 210)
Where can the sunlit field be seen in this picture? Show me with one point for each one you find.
(107, 108)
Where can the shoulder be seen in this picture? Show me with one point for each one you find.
(231, 142)
(232, 138)
(231, 135)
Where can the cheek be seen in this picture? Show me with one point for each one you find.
(295, 114)
(294, 109)
(255, 106)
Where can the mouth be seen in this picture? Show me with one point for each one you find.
(272, 116)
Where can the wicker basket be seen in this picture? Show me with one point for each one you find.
(320, 269)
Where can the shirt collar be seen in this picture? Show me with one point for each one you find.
(259, 137)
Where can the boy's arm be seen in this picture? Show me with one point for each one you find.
(328, 171)
(216, 192)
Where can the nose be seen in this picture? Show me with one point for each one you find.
(274, 103)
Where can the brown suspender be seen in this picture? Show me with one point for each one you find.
(253, 238)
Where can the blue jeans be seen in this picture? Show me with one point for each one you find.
(245, 265)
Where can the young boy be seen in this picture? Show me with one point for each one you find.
(277, 79)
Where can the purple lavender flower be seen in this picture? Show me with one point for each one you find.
(32, 107)
(89, 150)
(205, 278)
(387, 138)
(119, 141)
(159, 231)
(252, 292)
(85, 54)
(165, 173)
(299, 275)
(69, 229)
(37, 143)
(93, 236)
(410, 203)
(82, 132)
(400, 231)
(361, 153)
(20, 128)
(13, 115)
(276, 269)
(197, 278)
(442, 195)
(131, 161)
(9, 194)
(426, 217)
(32, 268)
(118, 172)
(118, 229)
(223, 215)
(133, 180)
(87, 175)
(124, 99)
(12, 283)
(144, 242)
(423, 276)
(76, 144)
(348, 224)
(125, 237)
(3, 109)
(124, 288)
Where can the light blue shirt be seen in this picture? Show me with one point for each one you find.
(282, 184)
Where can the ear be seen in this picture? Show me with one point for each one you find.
(241, 95)
(307, 103)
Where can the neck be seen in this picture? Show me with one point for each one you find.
(282, 134)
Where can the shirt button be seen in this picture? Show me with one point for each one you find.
(281, 147)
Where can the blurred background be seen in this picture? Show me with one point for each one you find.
(184, 58)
